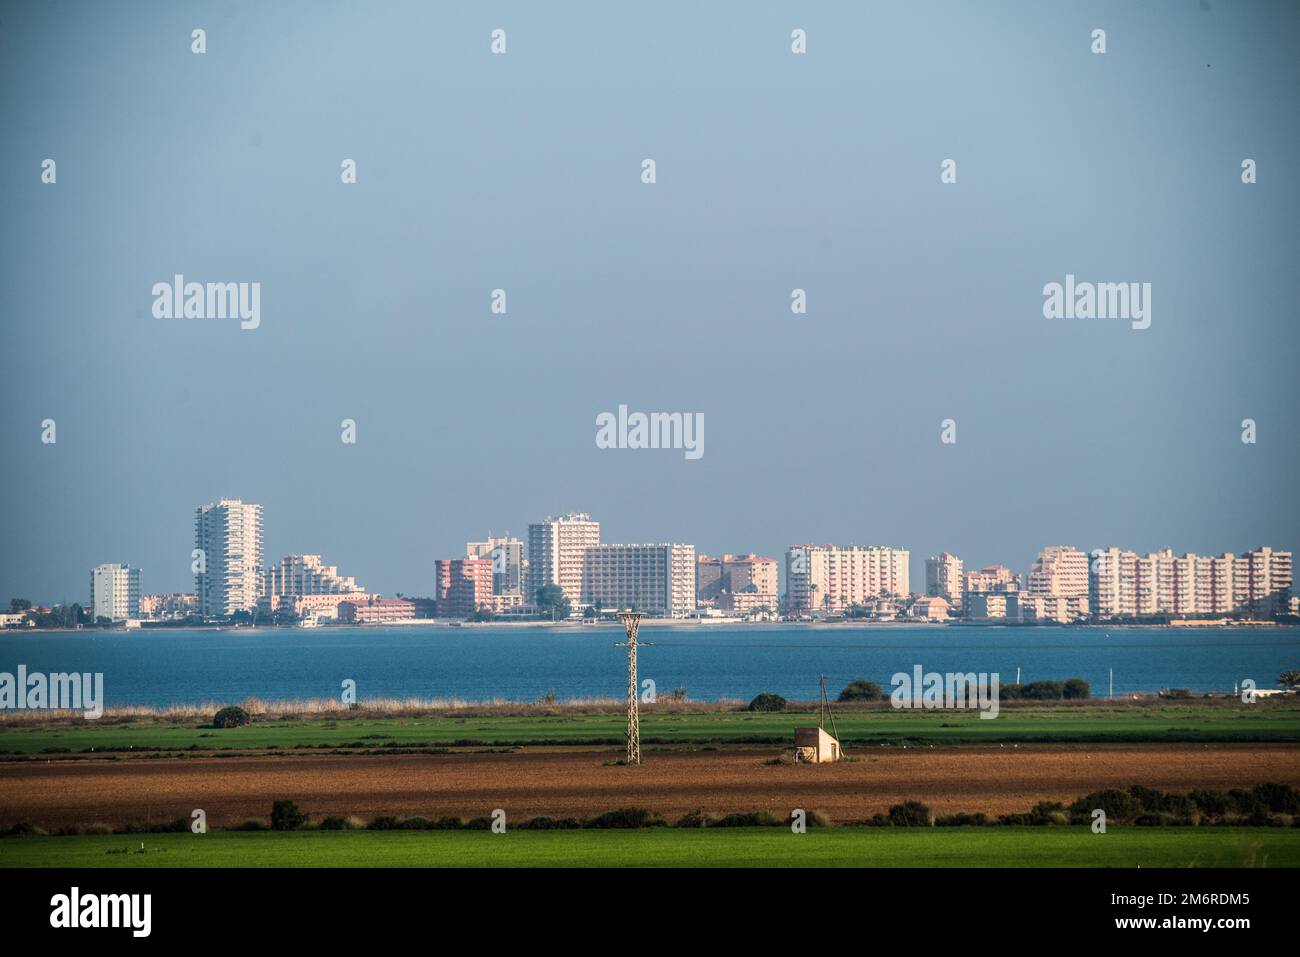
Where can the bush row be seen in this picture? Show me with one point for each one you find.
(1266, 805)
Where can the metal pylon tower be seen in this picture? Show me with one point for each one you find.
(632, 622)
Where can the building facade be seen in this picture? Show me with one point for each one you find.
(508, 562)
(556, 553)
(658, 580)
(832, 579)
(1060, 570)
(228, 536)
(944, 579)
(115, 592)
(376, 611)
(751, 575)
(462, 586)
(1123, 584)
(306, 575)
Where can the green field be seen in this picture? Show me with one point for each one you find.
(676, 847)
(1192, 721)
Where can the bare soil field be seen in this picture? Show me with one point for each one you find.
(572, 783)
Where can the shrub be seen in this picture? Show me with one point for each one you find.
(626, 817)
(767, 702)
(861, 690)
(911, 814)
(549, 824)
(696, 818)
(962, 819)
(286, 816)
(1119, 805)
(1278, 798)
(1043, 691)
(231, 717)
(1176, 693)
(811, 819)
(1210, 803)
(334, 824)
(1076, 689)
(748, 819)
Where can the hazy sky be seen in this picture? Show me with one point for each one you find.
(522, 172)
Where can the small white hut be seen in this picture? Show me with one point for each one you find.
(815, 746)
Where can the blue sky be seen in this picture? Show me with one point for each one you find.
(522, 172)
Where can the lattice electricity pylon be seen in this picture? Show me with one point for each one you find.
(632, 622)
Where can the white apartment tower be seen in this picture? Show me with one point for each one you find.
(656, 579)
(508, 562)
(115, 592)
(556, 550)
(228, 536)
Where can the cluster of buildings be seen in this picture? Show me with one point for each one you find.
(562, 568)
(504, 575)
(1066, 585)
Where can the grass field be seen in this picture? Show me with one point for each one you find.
(1120, 723)
(660, 847)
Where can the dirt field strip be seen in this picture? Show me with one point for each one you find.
(577, 783)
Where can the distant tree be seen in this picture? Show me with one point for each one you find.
(861, 690)
(910, 814)
(552, 602)
(19, 604)
(589, 612)
(231, 717)
(1289, 679)
(286, 816)
(767, 702)
(1076, 689)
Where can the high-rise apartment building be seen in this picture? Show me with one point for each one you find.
(508, 562)
(306, 575)
(462, 586)
(658, 580)
(228, 536)
(1123, 584)
(737, 574)
(115, 592)
(943, 579)
(1060, 570)
(556, 550)
(830, 578)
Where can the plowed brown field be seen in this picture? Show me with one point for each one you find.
(577, 783)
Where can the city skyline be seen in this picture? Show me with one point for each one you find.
(775, 172)
(262, 574)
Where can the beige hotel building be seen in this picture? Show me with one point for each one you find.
(832, 578)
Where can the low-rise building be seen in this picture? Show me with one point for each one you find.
(376, 611)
